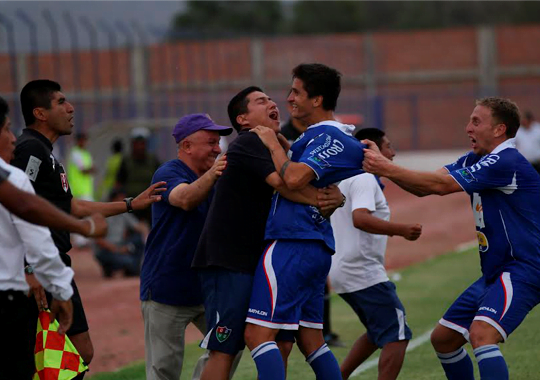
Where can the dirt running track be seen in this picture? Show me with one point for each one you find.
(113, 306)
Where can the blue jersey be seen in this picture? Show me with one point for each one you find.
(333, 155)
(505, 197)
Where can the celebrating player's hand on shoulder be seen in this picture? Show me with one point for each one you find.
(219, 166)
(412, 231)
(374, 162)
(267, 136)
(149, 196)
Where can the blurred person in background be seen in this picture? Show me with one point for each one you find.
(81, 169)
(361, 229)
(293, 128)
(137, 168)
(528, 139)
(48, 116)
(111, 170)
(80, 172)
(123, 247)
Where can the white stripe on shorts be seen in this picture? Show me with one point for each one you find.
(508, 292)
(401, 321)
(204, 343)
(271, 276)
(453, 326)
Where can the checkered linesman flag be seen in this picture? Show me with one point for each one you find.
(56, 357)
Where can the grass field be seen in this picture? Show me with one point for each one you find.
(426, 290)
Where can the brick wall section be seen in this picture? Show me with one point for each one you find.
(518, 45)
(418, 115)
(450, 49)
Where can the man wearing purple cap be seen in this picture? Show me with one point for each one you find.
(170, 291)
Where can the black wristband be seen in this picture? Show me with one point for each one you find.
(128, 204)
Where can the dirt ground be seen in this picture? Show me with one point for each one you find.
(113, 308)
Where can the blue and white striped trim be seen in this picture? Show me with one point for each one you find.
(487, 352)
(462, 330)
(452, 357)
(314, 355)
(263, 348)
(492, 323)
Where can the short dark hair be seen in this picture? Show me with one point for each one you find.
(374, 134)
(4, 111)
(117, 146)
(528, 115)
(238, 105)
(37, 93)
(503, 111)
(320, 80)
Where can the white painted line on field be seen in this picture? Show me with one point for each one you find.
(466, 246)
(412, 345)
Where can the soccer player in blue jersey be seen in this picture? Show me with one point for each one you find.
(504, 190)
(288, 287)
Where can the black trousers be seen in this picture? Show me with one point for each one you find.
(16, 357)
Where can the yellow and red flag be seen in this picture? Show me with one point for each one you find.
(56, 357)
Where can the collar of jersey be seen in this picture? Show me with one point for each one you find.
(510, 143)
(345, 128)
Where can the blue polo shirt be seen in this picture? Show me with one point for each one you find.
(166, 275)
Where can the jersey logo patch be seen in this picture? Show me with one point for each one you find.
(223, 333)
(466, 175)
(483, 244)
(32, 168)
(65, 184)
(319, 162)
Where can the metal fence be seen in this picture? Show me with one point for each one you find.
(419, 86)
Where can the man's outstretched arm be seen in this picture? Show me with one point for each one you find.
(37, 210)
(415, 182)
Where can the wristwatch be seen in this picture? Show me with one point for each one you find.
(128, 204)
(28, 269)
(344, 200)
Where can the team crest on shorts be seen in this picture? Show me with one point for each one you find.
(65, 184)
(483, 244)
(223, 333)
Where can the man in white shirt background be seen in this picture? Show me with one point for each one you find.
(19, 240)
(528, 139)
(361, 230)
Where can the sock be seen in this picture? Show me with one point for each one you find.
(268, 361)
(491, 363)
(324, 364)
(457, 365)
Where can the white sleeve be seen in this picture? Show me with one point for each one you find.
(42, 254)
(362, 192)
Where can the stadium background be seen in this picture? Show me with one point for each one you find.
(417, 85)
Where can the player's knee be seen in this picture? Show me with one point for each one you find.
(285, 348)
(250, 336)
(439, 340)
(482, 333)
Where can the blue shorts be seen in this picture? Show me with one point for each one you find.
(288, 288)
(381, 312)
(226, 299)
(503, 304)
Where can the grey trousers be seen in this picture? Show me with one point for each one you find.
(164, 330)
